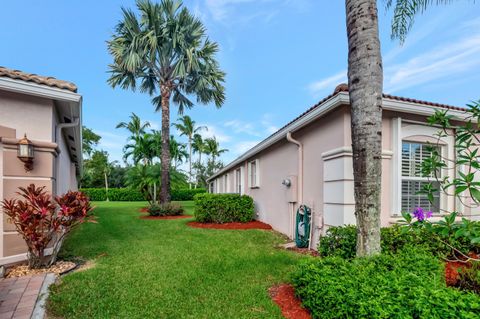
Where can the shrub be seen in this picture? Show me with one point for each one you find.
(341, 241)
(41, 220)
(409, 284)
(469, 277)
(223, 208)
(133, 195)
(169, 209)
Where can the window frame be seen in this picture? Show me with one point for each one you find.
(254, 179)
(238, 179)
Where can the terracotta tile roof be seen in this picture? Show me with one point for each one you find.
(42, 80)
(343, 87)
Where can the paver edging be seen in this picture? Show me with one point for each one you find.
(39, 309)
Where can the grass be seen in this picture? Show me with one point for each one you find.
(164, 269)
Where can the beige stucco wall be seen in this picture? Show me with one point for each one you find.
(328, 172)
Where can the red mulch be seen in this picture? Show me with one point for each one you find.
(143, 210)
(452, 267)
(250, 225)
(165, 217)
(284, 296)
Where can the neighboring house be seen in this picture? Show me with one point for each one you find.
(313, 153)
(48, 112)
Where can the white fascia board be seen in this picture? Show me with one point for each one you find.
(327, 106)
(31, 88)
(420, 109)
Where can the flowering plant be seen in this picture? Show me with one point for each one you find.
(43, 221)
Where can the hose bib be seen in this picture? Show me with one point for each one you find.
(303, 225)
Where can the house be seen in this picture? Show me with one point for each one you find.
(45, 113)
(309, 161)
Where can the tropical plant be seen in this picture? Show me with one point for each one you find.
(98, 169)
(178, 152)
(165, 51)
(141, 149)
(187, 127)
(404, 14)
(89, 140)
(135, 126)
(365, 86)
(212, 148)
(205, 170)
(42, 221)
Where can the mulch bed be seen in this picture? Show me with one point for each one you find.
(284, 296)
(249, 225)
(452, 268)
(165, 217)
(60, 267)
(143, 210)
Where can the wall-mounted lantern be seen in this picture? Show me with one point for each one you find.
(287, 182)
(26, 153)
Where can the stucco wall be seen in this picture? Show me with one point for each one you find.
(27, 114)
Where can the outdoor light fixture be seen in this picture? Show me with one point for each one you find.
(26, 152)
(287, 182)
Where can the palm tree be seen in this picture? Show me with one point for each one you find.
(178, 152)
(186, 126)
(136, 127)
(142, 148)
(365, 85)
(198, 146)
(404, 13)
(166, 50)
(212, 148)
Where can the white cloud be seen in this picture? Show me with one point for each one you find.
(213, 131)
(241, 147)
(450, 60)
(319, 87)
(241, 127)
(267, 124)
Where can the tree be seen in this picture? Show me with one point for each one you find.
(212, 148)
(178, 152)
(187, 127)
(136, 127)
(165, 51)
(205, 170)
(365, 86)
(404, 13)
(141, 148)
(98, 167)
(89, 140)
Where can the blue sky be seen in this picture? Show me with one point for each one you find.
(280, 56)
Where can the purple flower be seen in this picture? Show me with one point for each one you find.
(419, 214)
(429, 214)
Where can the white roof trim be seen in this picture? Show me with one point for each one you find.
(335, 101)
(31, 88)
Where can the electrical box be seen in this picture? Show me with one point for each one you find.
(292, 191)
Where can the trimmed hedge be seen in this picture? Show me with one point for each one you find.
(410, 284)
(133, 195)
(170, 209)
(341, 241)
(114, 194)
(223, 208)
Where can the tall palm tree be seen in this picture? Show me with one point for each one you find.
(187, 127)
(135, 126)
(141, 149)
(365, 86)
(198, 146)
(165, 51)
(212, 148)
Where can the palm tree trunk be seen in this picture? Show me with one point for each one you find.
(165, 161)
(190, 162)
(106, 185)
(365, 79)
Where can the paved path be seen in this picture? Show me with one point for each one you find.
(19, 295)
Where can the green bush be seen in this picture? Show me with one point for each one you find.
(133, 195)
(223, 208)
(341, 241)
(409, 284)
(114, 194)
(186, 194)
(169, 209)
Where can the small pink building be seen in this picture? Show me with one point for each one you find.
(309, 161)
(48, 112)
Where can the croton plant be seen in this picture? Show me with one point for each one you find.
(44, 221)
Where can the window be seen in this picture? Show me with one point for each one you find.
(412, 180)
(238, 181)
(253, 176)
(211, 187)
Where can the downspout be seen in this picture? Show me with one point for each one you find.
(299, 183)
(58, 131)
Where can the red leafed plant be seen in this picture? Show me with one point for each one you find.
(43, 220)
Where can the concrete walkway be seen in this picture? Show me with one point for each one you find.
(19, 295)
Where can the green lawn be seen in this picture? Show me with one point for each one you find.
(164, 269)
